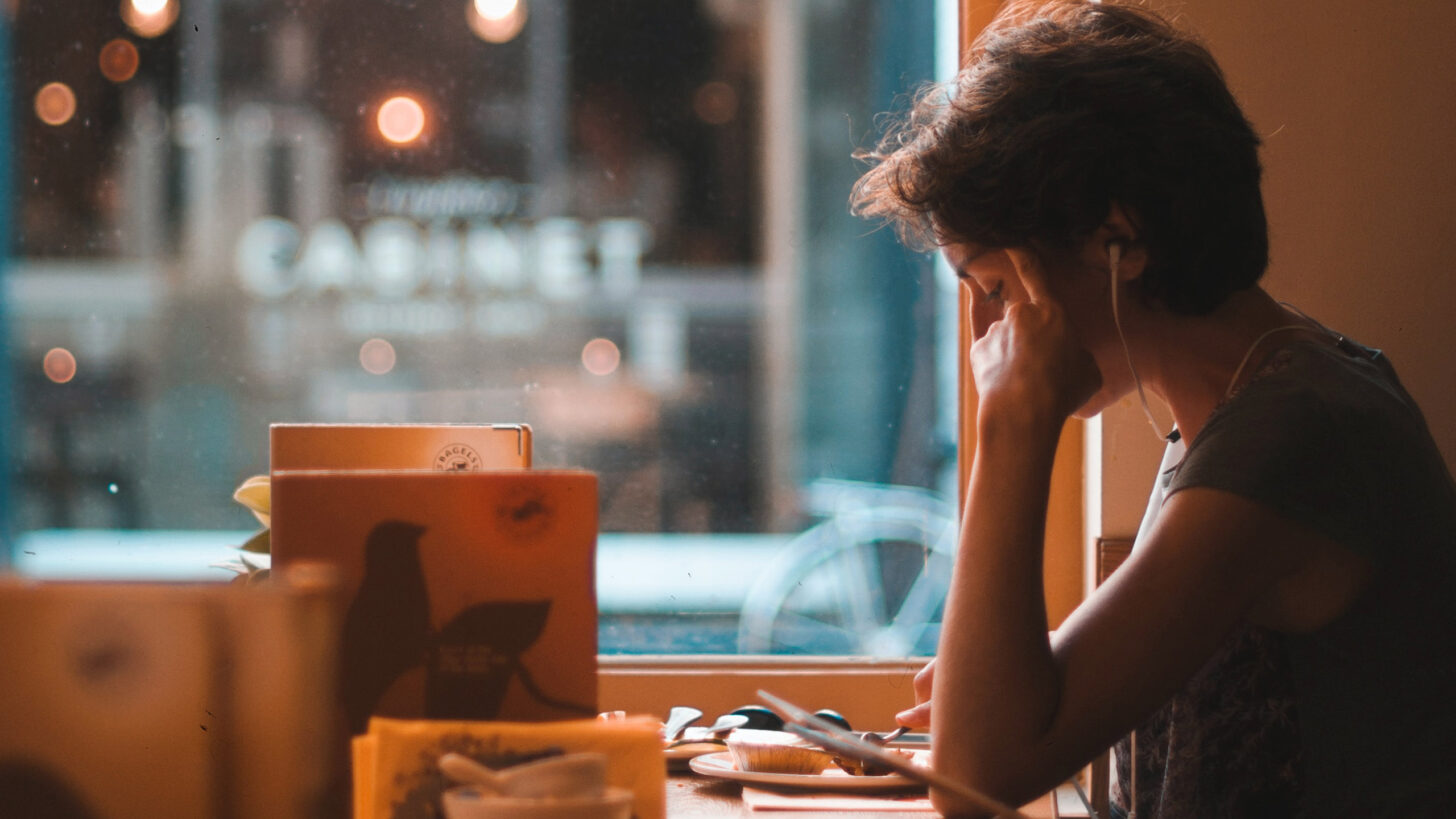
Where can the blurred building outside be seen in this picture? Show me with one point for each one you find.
(624, 224)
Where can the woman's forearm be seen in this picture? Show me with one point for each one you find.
(997, 688)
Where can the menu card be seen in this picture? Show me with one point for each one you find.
(441, 447)
(468, 595)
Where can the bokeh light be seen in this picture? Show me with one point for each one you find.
(600, 356)
(715, 103)
(377, 356)
(149, 18)
(59, 365)
(496, 21)
(496, 9)
(401, 120)
(119, 60)
(55, 103)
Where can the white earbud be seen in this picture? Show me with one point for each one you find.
(1114, 257)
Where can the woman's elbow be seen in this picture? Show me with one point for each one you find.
(1006, 784)
(957, 806)
(953, 806)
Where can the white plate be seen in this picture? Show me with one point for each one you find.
(721, 766)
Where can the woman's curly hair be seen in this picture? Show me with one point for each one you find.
(1064, 108)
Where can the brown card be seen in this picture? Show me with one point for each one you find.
(133, 701)
(469, 595)
(439, 447)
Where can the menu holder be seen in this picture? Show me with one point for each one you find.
(396, 771)
(466, 595)
(133, 701)
(439, 447)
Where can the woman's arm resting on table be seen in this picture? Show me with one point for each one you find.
(1016, 713)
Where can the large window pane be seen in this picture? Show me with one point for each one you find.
(622, 222)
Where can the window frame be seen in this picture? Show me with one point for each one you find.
(867, 691)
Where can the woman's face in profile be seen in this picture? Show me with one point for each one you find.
(1080, 284)
(991, 279)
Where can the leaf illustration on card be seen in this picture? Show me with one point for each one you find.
(390, 657)
(475, 656)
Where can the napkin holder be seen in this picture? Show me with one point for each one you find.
(396, 775)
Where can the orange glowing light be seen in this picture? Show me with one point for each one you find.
(377, 356)
(59, 365)
(119, 60)
(401, 120)
(149, 18)
(715, 103)
(55, 103)
(600, 356)
(496, 21)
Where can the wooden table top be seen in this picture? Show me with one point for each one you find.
(690, 795)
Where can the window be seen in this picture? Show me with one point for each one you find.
(623, 222)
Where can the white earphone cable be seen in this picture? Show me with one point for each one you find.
(1114, 256)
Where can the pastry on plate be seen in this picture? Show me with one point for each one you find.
(777, 752)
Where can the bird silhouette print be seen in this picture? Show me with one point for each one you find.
(388, 622)
(467, 665)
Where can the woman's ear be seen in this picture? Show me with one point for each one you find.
(1121, 242)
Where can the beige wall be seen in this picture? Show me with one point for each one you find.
(1356, 101)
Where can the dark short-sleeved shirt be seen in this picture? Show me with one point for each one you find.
(1357, 718)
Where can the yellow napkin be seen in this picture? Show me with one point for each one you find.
(395, 763)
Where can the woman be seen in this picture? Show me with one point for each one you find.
(1277, 642)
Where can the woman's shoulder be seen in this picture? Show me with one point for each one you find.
(1325, 434)
(1309, 389)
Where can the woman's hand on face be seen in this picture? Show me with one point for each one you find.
(1025, 357)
